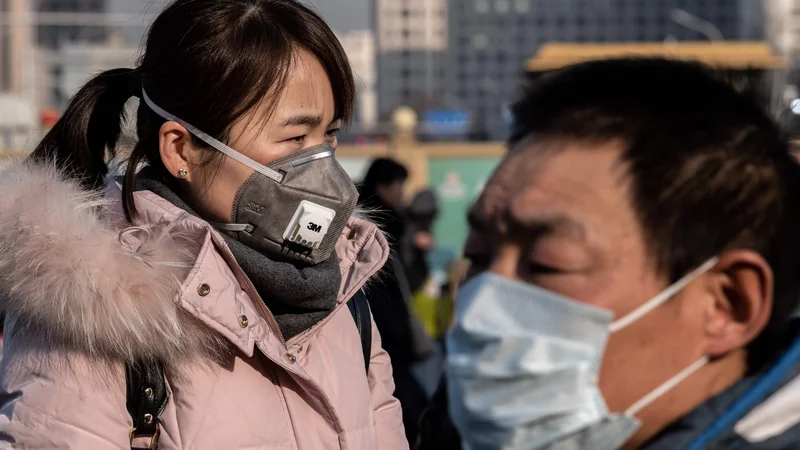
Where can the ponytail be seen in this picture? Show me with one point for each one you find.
(90, 127)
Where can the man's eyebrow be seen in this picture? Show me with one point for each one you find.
(546, 223)
(302, 120)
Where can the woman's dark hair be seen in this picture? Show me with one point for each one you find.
(209, 62)
(382, 171)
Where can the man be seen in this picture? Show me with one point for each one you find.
(635, 272)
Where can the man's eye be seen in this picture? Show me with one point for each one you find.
(537, 268)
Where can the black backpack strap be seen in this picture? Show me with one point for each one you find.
(359, 308)
(146, 399)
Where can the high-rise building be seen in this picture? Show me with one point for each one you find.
(360, 49)
(783, 26)
(15, 45)
(490, 39)
(51, 36)
(411, 41)
(141, 13)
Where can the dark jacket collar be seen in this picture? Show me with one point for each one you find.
(711, 426)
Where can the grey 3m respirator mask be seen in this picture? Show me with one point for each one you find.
(294, 208)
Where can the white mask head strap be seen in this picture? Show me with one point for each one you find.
(659, 299)
(210, 140)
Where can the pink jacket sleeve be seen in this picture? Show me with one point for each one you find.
(64, 404)
(388, 414)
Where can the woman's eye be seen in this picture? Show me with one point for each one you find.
(333, 133)
(296, 139)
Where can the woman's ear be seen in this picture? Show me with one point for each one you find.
(175, 147)
(742, 286)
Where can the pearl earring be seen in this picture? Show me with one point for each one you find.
(182, 173)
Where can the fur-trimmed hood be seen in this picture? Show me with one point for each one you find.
(74, 275)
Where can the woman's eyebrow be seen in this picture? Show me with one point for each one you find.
(302, 120)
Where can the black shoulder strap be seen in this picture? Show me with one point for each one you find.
(146, 399)
(359, 308)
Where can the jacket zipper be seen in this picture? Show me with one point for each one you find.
(325, 398)
(258, 297)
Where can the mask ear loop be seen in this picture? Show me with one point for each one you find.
(234, 227)
(659, 299)
(210, 140)
(666, 387)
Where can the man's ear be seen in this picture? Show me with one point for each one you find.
(742, 287)
(175, 147)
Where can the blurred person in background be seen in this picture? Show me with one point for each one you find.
(418, 238)
(201, 302)
(418, 241)
(634, 277)
(381, 196)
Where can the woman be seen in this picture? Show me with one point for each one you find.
(381, 193)
(226, 261)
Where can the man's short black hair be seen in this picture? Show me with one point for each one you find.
(710, 171)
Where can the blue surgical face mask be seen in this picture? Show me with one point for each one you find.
(523, 366)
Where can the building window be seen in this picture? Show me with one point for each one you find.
(522, 6)
(502, 6)
(480, 41)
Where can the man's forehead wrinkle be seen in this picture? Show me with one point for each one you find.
(552, 220)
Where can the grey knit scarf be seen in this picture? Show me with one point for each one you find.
(298, 296)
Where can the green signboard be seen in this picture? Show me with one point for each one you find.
(457, 183)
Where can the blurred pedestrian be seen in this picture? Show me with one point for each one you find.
(381, 195)
(634, 272)
(418, 238)
(210, 300)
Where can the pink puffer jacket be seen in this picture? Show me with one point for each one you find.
(82, 293)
